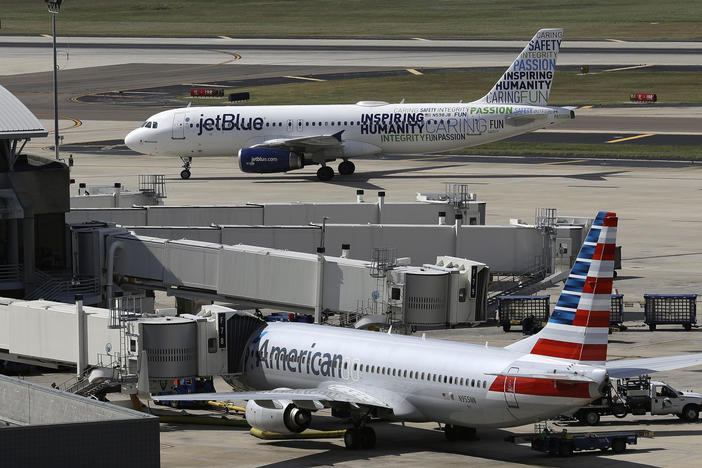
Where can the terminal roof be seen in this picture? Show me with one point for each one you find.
(16, 121)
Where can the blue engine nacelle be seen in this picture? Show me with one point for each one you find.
(266, 160)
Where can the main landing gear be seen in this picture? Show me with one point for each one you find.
(185, 173)
(359, 438)
(325, 172)
(346, 167)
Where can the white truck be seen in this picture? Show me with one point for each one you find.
(641, 395)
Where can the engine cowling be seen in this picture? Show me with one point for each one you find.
(282, 417)
(266, 160)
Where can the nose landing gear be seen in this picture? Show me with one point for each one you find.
(185, 173)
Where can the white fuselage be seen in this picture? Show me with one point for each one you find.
(425, 379)
(368, 127)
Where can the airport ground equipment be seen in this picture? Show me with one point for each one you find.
(670, 309)
(151, 192)
(616, 315)
(513, 310)
(640, 396)
(564, 443)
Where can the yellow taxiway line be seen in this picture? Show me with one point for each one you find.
(306, 78)
(563, 162)
(414, 72)
(635, 137)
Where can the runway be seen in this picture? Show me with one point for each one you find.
(129, 79)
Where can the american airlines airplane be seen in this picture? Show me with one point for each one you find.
(272, 139)
(297, 369)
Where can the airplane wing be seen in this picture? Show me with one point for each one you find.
(307, 143)
(633, 367)
(330, 392)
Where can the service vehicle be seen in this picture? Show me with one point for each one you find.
(639, 396)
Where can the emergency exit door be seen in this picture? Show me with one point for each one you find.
(511, 387)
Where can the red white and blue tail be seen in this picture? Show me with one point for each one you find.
(579, 325)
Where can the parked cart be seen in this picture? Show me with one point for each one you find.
(616, 315)
(671, 309)
(563, 443)
(512, 310)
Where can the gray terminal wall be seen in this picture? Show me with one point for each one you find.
(279, 214)
(54, 428)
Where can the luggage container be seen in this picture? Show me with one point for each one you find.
(512, 310)
(670, 309)
(616, 315)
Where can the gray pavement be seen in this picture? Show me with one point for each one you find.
(657, 203)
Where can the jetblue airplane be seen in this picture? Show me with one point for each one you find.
(297, 369)
(272, 139)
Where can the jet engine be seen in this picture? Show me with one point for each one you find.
(282, 417)
(266, 160)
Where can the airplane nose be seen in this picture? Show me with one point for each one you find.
(132, 140)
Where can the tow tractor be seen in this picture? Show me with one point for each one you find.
(639, 396)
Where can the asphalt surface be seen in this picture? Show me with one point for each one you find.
(657, 203)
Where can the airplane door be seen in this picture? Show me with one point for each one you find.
(300, 125)
(178, 126)
(290, 126)
(511, 388)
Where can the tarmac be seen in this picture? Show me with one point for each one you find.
(657, 203)
(658, 208)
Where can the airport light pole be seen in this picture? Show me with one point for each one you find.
(54, 7)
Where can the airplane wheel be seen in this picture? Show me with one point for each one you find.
(185, 174)
(347, 168)
(325, 173)
(352, 439)
(367, 438)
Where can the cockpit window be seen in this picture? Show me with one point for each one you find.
(154, 125)
(148, 124)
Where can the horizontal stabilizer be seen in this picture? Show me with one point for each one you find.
(633, 367)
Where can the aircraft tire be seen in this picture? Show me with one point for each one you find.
(185, 174)
(347, 168)
(325, 173)
(367, 438)
(352, 439)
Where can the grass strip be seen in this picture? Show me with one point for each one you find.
(597, 19)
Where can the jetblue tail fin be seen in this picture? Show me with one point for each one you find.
(579, 325)
(528, 80)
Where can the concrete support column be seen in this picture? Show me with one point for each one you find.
(318, 305)
(457, 232)
(12, 242)
(82, 360)
(29, 254)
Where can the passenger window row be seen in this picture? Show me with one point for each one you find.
(391, 372)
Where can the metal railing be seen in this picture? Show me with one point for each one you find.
(11, 273)
(154, 184)
(52, 288)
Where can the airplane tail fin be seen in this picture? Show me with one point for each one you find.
(579, 325)
(528, 80)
